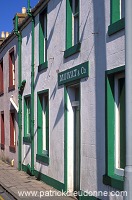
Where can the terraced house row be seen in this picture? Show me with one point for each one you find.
(62, 94)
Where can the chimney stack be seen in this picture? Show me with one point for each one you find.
(21, 16)
(2, 37)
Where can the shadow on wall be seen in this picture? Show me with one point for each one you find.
(29, 149)
(100, 67)
(54, 5)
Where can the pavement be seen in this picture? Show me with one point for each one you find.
(17, 185)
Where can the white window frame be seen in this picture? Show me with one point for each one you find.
(118, 171)
(44, 124)
(122, 9)
(13, 67)
(28, 110)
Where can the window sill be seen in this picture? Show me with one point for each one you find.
(43, 66)
(42, 158)
(10, 88)
(2, 146)
(74, 49)
(1, 93)
(117, 26)
(114, 181)
(27, 139)
(12, 149)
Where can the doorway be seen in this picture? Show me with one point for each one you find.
(73, 132)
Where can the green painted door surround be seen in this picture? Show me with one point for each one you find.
(116, 22)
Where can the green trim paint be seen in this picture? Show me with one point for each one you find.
(72, 50)
(50, 181)
(74, 73)
(43, 66)
(88, 198)
(117, 26)
(32, 100)
(43, 39)
(110, 178)
(65, 138)
(27, 125)
(27, 139)
(32, 89)
(115, 11)
(68, 24)
(114, 181)
(70, 47)
(40, 155)
(42, 158)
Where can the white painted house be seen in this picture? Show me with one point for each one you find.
(73, 96)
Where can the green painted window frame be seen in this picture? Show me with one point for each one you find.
(43, 63)
(116, 23)
(70, 47)
(40, 156)
(110, 178)
(27, 138)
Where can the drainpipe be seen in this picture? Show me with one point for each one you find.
(32, 91)
(128, 74)
(19, 95)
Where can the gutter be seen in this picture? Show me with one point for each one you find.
(128, 79)
(32, 90)
(18, 34)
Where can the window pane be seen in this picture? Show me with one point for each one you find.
(122, 8)
(44, 106)
(76, 30)
(120, 152)
(45, 36)
(76, 6)
(122, 121)
(28, 116)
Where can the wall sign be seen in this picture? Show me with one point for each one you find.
(75, 73)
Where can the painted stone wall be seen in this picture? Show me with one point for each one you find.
(5, 104)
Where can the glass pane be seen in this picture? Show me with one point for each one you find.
(45, 36)
(122, 9)
(76, 29)
(122, 122)
(76, 6)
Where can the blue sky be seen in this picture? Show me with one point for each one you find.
(8, 10)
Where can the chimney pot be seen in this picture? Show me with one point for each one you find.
(2, 34)
(7, 34)
(23, 10)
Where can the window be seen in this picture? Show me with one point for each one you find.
(11, 70)
(72, 27)
(120, 124)
(1, 78)
(115, 128)
(2, 131)
(117, 14)
(12, 131)
(43, 127)
(75, 22)
(42, 40)
(122, 9)
(27, 118)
